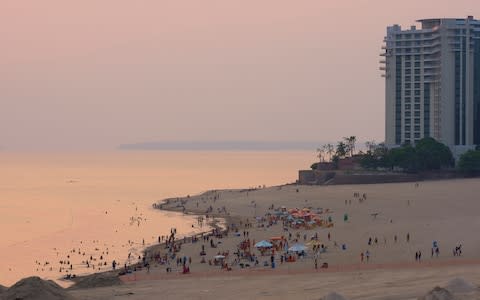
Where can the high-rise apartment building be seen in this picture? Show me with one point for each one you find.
(432, 83)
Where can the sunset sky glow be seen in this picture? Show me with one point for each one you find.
(87, 75)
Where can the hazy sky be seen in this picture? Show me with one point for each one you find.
(93, 74)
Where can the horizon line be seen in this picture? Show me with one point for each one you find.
(222, 145)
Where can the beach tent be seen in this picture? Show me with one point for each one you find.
(263, 244)
(219, 257)
(297, 248)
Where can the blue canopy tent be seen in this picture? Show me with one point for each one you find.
(263, 244)
(298, 248)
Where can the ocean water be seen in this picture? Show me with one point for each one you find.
(66, 207)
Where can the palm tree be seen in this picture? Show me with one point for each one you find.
(330, 149)
(350, 144)
(320, 153)
(371, 145)
(342, 149)
(352, 140)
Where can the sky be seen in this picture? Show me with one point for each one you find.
(90, 74)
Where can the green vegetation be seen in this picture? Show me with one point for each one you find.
(469, 162)
(331, 153)
(427, 155)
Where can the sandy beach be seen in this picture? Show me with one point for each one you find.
(440, 212)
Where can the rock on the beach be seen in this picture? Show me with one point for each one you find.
(97, 280)
(438, 293)
(334, 296)
(35, 288)
(460, 285)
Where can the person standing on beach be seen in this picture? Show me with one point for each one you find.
(367, 255)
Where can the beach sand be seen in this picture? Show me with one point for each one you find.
(441, 211)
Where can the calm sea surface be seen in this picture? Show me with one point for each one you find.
(68, 207)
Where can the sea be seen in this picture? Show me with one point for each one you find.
(58, 210)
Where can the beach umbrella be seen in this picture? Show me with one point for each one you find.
(263, 244)
(314, 242)
(297, 248)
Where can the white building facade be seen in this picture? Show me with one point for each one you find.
(432, 83)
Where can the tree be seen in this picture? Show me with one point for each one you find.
(330, 150)
(350, 144)
(469, 162)
(433, 155)
(320, 154)
(371, 145)
(341, 151)
(403, 157)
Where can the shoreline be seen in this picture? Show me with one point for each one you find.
(422, 212)
(183, 205)
(218, 222)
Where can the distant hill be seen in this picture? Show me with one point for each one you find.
(222, 146)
